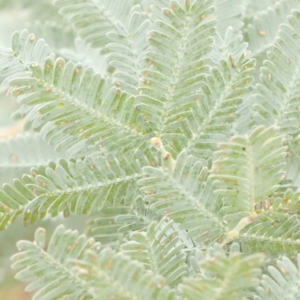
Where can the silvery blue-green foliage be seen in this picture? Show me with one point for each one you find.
(174, 125)
(82, 270)
(281, 281)
(217, 270)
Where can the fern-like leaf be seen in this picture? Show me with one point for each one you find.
(219, 98)
(76, 267)
(127, 47)
(223, 277)
(185, 195)
(123, 278)
(262, 27)
(76, 186)
(93, 19)
(13, 199)
(97, 182)
(48, 270)
(24, 50)
(277, 98)
(76, 110)
(281, 282)
(230, 44)
(103, 226)
(249, 169)
(114, 223)
(160, 250)
(277, 235)
(177, 51)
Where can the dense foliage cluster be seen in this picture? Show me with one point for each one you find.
(175, 126)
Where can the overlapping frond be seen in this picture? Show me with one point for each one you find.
(277, 99)
(230, 44)
(103, 226)
(80, 186)
(117, 276)
(223, 277)
(127, 50)
(275, 229)
(262, 27)
(49, 271)
(93, 19)
(23, 152)
(25, 49)
(181, 39)
(76, 110)
(174, 151)
(281, 281)
(275, 236)
(160, 250)
(249, 169)
(75, 267)
(217, 106)
(185, 195)
(229, 13)
(13, 199)
(97, 181)
(114, 223)
(139, 218)
(286, 202)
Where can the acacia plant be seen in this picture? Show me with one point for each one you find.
(175, 127)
